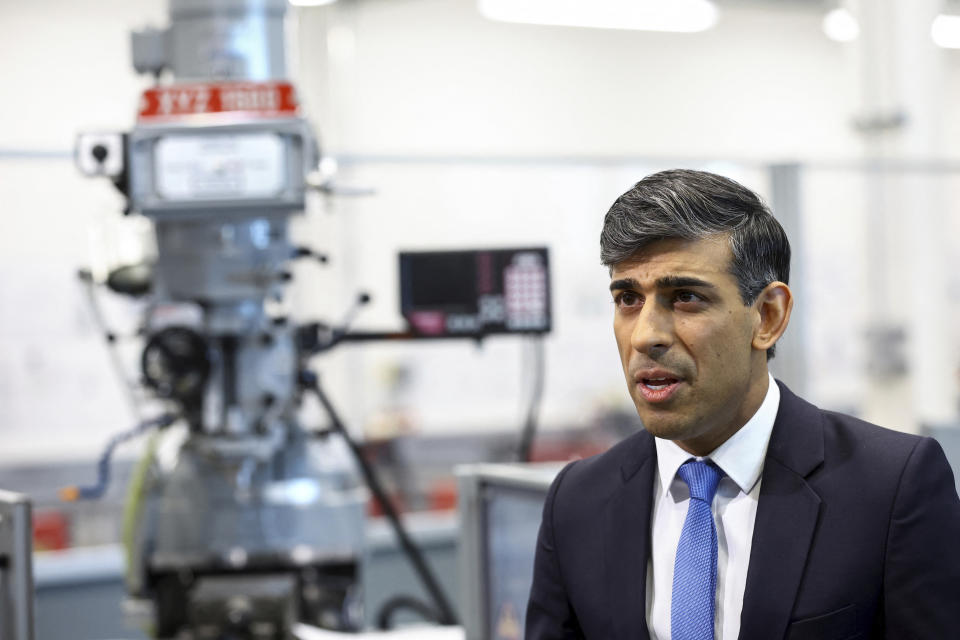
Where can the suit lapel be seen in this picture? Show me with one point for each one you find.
(787, 516)
(626, 538)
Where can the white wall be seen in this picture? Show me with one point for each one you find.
(400, 80)
(64, 67)
(433, 76)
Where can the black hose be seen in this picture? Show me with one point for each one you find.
(533, 410)
(444, 613)
(398, 603)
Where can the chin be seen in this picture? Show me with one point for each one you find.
(666, 429)
(662, 423)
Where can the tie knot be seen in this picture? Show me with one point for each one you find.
(702, 478)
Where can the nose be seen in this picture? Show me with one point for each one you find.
(652, 333)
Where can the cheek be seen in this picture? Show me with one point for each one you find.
(622, 331)
(697, 335)
(711, 341)
(736, 348)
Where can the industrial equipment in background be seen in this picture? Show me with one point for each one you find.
(500, 510)
(16, 568)
(259, 523)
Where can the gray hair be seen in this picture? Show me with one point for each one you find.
(691, 205)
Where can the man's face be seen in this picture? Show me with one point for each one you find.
(685, 341)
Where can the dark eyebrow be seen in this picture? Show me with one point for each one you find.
(667, 282)
(624, 283)
(677, 282)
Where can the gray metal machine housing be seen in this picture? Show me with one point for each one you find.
(258, 521)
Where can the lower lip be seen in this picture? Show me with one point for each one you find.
(662, 394)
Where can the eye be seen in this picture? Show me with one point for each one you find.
(627, 300)
(687, 297)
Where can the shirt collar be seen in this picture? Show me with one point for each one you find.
(740, 457)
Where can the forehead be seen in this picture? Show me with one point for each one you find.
(704, 257)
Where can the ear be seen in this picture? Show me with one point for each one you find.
(773, 307)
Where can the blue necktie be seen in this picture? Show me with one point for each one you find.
(695, 569)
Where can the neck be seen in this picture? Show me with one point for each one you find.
(708, 442)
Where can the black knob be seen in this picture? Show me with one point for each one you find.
(100, 153)
(175, 364)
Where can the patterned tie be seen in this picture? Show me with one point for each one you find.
(695, 569)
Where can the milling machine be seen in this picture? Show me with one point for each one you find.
(259, 522)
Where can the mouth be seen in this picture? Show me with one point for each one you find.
(657, 387)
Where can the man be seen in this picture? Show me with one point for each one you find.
(741, 511)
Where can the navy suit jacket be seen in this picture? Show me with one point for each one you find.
(857, 535)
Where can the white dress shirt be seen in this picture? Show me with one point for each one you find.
(734, 511)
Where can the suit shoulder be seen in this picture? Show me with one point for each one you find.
(847, 432)
(801, 413)
(806, 437)
(595, 477)
(879, 456)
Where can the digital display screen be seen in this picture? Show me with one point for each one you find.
(476, 291)
(452, 281)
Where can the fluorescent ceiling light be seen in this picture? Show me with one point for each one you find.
(841, 26)
(311, 3)
(646, 15)
(945, 31)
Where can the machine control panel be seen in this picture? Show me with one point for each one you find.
(476, 292)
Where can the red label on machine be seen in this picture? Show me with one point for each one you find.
(264, 99)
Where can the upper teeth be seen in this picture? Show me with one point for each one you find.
(658, 383)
